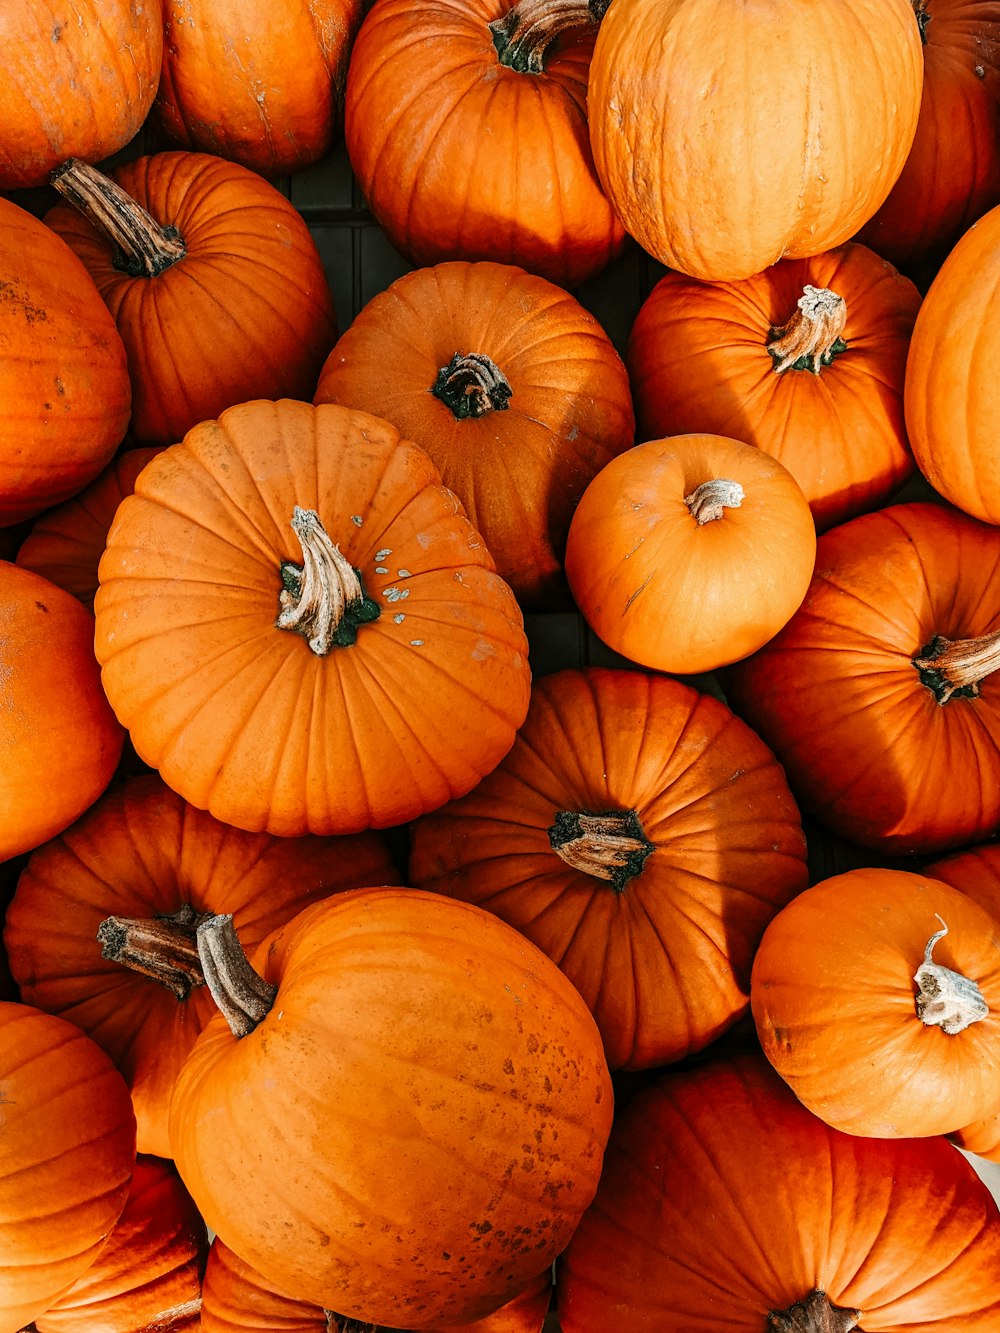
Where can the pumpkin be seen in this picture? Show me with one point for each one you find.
(75, 82)
(59, 738)
(804, 360)
(148, 1275)
(274, 103)
(951, 176)
(615, 836)
(729, 137)
(212, 277)
(65, 544)
(876, 997)
(690, 552)
(511, 386)
(416, 1106)
(466, 127)
(297, 680)
(948, 395)
(724, 1204)
(67, 1153)
(101, 926)
(64, 384)
(878, 691)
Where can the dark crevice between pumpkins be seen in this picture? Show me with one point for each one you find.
(471, 385)
(324, 598)
(141, 246)
(338, 1323)
(956, 668)
(610, 845)
(815, 1314)
(923, 19)
(813, 337)
(163, 948)
(525, 34)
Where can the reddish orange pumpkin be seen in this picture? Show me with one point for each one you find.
(466, 125)
(615, 836)
(724, 1204)
(67, 1153)
(212, 277)
(804, 360)
(511, 386)
(101, 927)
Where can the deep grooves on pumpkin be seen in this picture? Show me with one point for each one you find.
(814, 334)
(816, 1314)
(242, 996)
(472, 385)
(163, 948)
(708, 501)
(946, 999)
(143, 248)
(611, 845)
(324, 598)
(524, 34)
(957, 667)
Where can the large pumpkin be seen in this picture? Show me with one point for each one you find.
(466, 125)
(804, 360)
(101, 927)
(724, 1204)
(615, 836)
(213, 279)
(294, 680)
(879, 691)
(416, 1106)
(731, 136)
(511, 386)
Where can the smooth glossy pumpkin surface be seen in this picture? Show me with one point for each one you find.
(414, 1126)
(723, 1200)
(511, 386)
(642, 836)
(67, 1153)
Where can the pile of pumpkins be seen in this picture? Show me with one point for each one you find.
(436, 992)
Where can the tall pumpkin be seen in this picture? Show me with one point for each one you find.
(728, 137)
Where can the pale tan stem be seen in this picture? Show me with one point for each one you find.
(709, 500)
(242, 996)
(950, 665)
(946, 999)
(816, 1314)
(812, 333)
(144, 247)
(323, 599)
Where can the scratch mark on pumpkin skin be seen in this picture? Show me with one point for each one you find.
(635, 594)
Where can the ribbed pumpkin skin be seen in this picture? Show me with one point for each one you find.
(664, 963)
(247, 313)
(140, 853)
(728, 137)
(58, 736)
(76, 81)
(275, 105)
(698, 361)
(424, 1071)
(460, 157)
(867, 748)
(67, 1153)
(64, 384)
(952, 174)
(148, 1276)
(723, 1199)
(243, 719)
(519, 471)
(951, 396)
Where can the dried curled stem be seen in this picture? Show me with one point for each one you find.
(957, 667)
(708, 501)
(242, 996)
(816, 1314)
(813, 336)
(611, 845)
(472, 385)
(946, 999)
(323, 599)
(523, 35)
(142, 246)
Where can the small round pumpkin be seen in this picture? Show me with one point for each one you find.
(687, 553)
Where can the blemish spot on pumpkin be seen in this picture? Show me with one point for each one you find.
(57, 32)
(381, 569)
(508, 1066)
(357, 520)
(416, 643)
(384, 554)
(395, 594)
(399, 617)
(42, 607)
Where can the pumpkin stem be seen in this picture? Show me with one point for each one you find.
(946, 999)
(472, 385)
(323, 599)
(816, 1314)
(812, 337)
(708, 501)
(611, 845)
(242, 996)
(163, 948)
(956, 667)
(142, 247)
(523, 36)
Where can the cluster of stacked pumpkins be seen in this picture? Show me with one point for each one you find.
(437, 993)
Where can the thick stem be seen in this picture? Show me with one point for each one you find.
(813, 336)
(163, 948)
(242, 996)
(142, 247)
(946, 999)
(611, 845)
(324, 598)
(708, 501)
(953, 668)
(525, 33)
(472, 385)
(816, 1314)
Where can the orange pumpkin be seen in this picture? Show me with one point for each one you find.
(729, 137)
(511, 386)
(804, 360)
(688, 553)
(292, 680)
